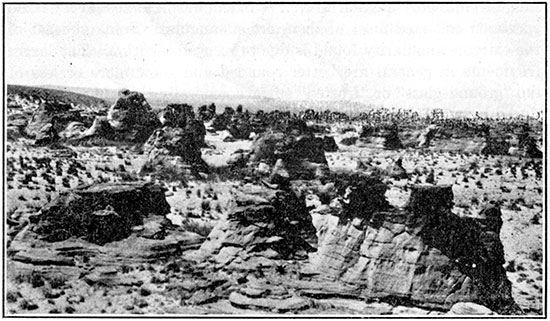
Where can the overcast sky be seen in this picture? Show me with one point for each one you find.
(463, 57)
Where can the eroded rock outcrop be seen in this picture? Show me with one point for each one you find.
(423, 255)
(50, 119)
(173, 147)
(329, 144)
(93, 232)
(426, 137)
(302, 153)
(264, 224)
(176, 147)
(396, 170)
(132, 117)
(100, 213)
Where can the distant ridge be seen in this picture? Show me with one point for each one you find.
(252, 103)
(56, 94)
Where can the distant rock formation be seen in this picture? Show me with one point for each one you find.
(132, 117)
(172, 147)
(182, 116)
(129, 120)
(207, 113)
(176, 147)
(348, 141)
(527, 143)
(396, 170)
(48, 120)
(392, 138)
(426, 136)
(329, 144)
(302, 153)
(495, 146)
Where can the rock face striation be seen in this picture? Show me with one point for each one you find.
(423, 255)
(93, 232)
(264, 223)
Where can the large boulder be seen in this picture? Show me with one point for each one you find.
(49, 119)
(100, 213)
(422, 255)
(469, 308)
(99, 234)
(329, 144)
(132, 117)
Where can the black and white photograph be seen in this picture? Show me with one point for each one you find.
(274, 160)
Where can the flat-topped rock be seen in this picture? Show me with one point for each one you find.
(100, 213)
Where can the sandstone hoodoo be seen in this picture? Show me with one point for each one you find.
(100, 213)
(173, 147)
(177, 145)
(132, 117)
(422, 255)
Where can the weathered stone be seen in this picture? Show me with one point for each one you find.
(302, 154)
(427, 136)
(396, 170)
(167, 142)
(348, 141)
(132, 117)
(428, 198)
(491, 218)
(329, 144)
(294, 303)
(49, 119)
(470, 308)
(100, 213)
(423, 255)
(261, 219)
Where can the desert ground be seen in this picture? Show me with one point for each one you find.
(184, 260)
